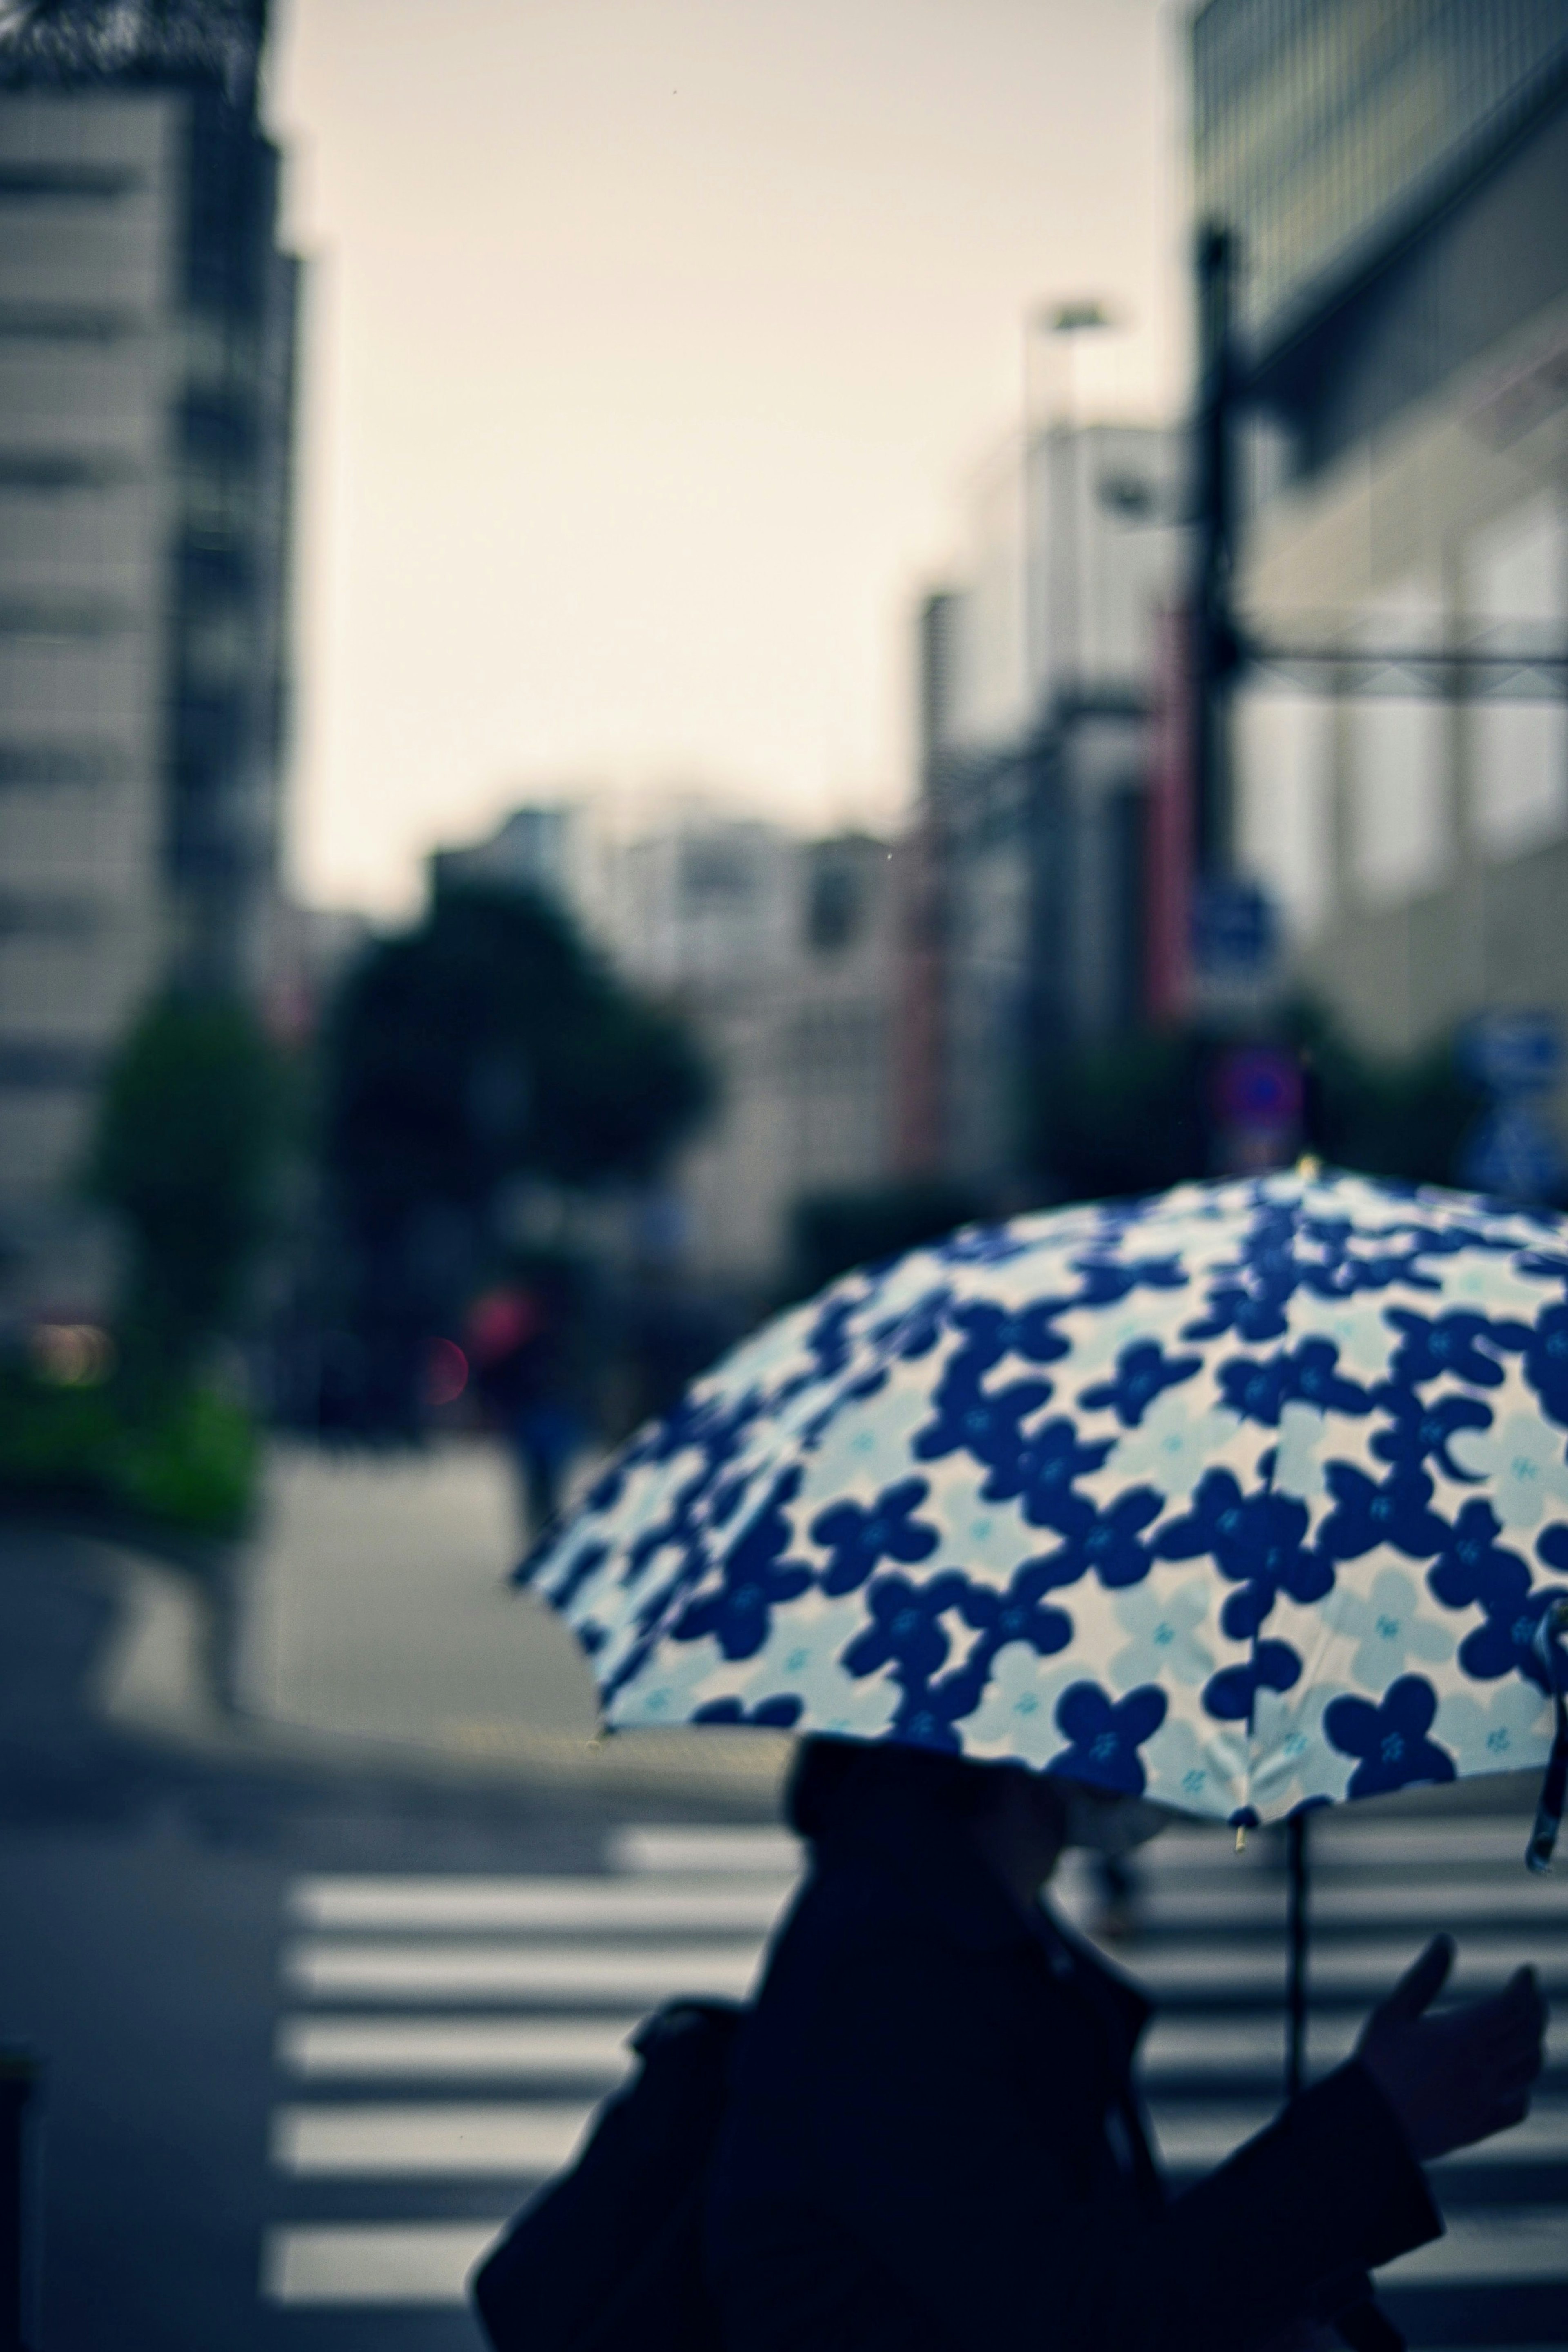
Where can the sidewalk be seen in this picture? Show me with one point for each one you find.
(370, 1625)
(371, 1620)
(378, 1605)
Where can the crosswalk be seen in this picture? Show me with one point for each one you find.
(444, 2039)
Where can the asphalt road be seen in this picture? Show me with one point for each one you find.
(144, 1896)
(312, 2028)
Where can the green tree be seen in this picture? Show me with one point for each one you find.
(831, 1232)
(1136, 1114)
(1124, 1118)
(1408, 1117)
(184, 1154)
(487, 1045)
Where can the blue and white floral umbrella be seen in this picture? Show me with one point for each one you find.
(1246, 1497)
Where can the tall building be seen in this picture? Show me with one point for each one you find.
(1026, 924)
(705, 906)
(147, 332)
(1397, 178)
(782, 955)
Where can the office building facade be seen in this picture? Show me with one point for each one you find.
(1397, 178)
(147, 340)
(782, 954)
(1025, 921)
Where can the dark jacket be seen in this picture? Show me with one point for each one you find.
(933, 2144)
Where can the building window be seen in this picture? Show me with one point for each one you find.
(1516, 586)
(1398, 751)
(836, 905)
(1284, 758)
(716, 874)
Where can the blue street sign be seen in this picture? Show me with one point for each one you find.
(1235, 931)
(1515, 1155)
(1258, 1088)
(1513, 1053)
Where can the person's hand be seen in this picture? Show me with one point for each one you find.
(1456, 2078)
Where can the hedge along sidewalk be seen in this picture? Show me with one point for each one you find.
(369, 1623)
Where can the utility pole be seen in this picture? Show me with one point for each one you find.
(1216, 650)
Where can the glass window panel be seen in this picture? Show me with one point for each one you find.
(1517, 589)
(1398, 751)
(1284, 747)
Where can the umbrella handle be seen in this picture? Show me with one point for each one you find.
(1554, 1787)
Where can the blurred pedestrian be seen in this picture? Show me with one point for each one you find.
(518, 1339)
(933, 2142)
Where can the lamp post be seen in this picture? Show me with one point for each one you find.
(1062, 323)
(1217, 649)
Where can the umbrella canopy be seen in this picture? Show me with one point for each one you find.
(1246, 1497)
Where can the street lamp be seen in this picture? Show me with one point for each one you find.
(1063, 322)
(1083, 315)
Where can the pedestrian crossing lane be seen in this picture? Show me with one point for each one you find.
(452, 2036)
(444, 2039)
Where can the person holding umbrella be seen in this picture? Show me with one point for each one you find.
(1238, 1502)
(932, 2138)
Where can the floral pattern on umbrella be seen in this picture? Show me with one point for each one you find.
(1249, 1496)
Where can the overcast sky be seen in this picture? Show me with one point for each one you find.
(649, 348)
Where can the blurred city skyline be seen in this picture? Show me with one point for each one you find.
(648, 354)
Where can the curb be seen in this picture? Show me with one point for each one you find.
(164, 1672)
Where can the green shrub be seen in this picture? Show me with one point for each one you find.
(831, 1232)
(1137, 1114)
(190, 1463)
(62, 1440)
(184, 1155)
(196, 1465)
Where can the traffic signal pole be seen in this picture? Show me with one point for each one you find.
(1216, 646)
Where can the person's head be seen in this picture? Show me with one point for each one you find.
(1020, 1819)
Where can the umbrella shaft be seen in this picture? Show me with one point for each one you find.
(1296, 1988)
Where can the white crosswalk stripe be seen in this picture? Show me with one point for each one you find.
(455, 2032)
(497, 2050)
(372, 2263)
(583, 1905)
(429, 2142)
(518, 1971)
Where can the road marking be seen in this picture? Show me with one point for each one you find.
(1340, 1844)
(1218, 2046)
(608, 1906)
(1523, 2242)
(596, 1905)
(1342, 1841)
(1211, 2045)
(373, 2262)
(767, 1852)
(544, 2049)
(398, 1970)
(588, 1955)
(615, 1906)
(324, 1970)
(1194, 2137)
(426, 2142)
(1362, 1968)
(1431, 1898)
